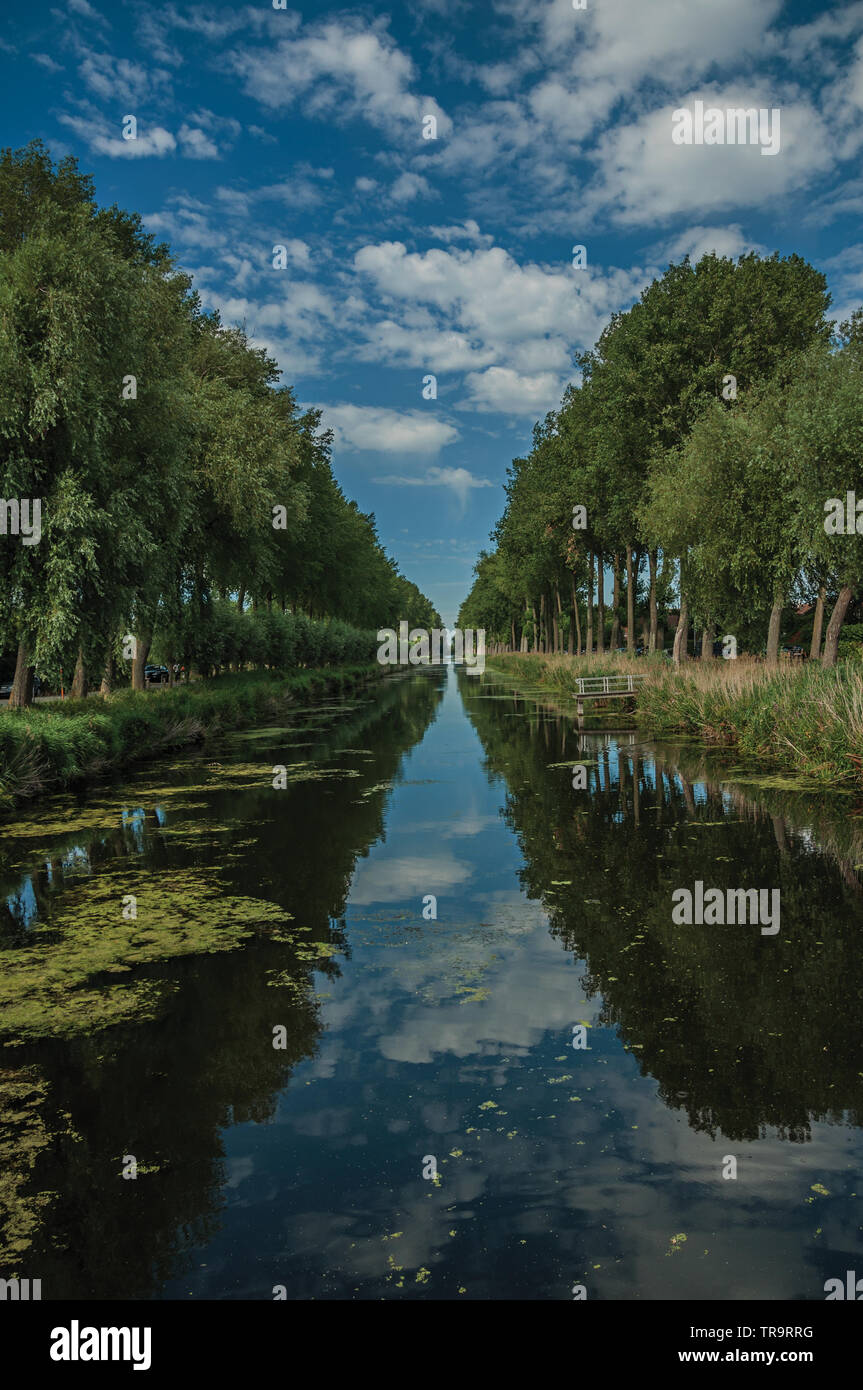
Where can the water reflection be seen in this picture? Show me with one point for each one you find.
(409, 1036)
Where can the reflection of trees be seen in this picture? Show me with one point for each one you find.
(164, 1090)
(740, 1030)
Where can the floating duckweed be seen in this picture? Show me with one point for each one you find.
(50, 989)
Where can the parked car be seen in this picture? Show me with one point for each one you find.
(6, 689)
(156, 675)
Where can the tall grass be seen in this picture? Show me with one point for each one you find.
(55, 745)
(801, 717)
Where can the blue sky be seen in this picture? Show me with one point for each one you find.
(407, 256)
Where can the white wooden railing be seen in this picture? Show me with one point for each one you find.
(609, 685)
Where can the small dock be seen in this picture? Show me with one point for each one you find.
(605, 688)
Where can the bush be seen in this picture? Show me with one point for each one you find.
(54, 745)
(222, 638)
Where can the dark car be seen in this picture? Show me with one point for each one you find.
(156, 675)
(6, 689)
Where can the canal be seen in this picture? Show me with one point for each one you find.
(387, 1002)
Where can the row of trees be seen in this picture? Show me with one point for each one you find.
(170, 468)
(714, 421)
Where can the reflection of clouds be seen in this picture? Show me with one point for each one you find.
(596, 1187)
(327, 1123)
(530, 992)
(472, 823)
(384, 879)
(238, 1170)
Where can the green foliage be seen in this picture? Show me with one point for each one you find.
(722, 485)
(803, 717)
(172, 467)
(58, 744)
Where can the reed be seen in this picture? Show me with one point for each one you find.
(803, 717)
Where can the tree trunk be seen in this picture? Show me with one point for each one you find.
(107, 676)
(651, 560)
(600, 604)
(818, 625)
(576, 615)
(241, 599)
(834, 627)
(680, 636)
(22, 684)
(512, 634)
(555, 620)
(707, 643)
(559, 643)
(773, 633)
(543, 644)
(615, 620)
(630, 602)
(535, 628)
(79, 680)
(142, 651)
(589, 648)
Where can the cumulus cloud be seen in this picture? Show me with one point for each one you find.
(344, 69)
(102, 139)
(645, 177)
(500, 389)
(408, 187)
(381, 430)
(466, 231)
(698, 241)
(512, 326)
(118, 79)
(195, 144)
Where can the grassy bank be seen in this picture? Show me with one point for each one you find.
(51, 746)
(800, 717)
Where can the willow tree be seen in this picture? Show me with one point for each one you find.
(825, 434)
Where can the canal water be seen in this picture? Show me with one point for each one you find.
(418, 1023)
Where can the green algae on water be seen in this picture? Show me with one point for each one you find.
(51, 988)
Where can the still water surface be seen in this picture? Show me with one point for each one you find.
(408, 1039)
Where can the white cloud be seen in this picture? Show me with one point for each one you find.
(645, 177)
(118, 79)
(500, 389)
(696, 242)
(408, 187)
(85, 10)
(195, 144)
(46, 61)
(458, 309)
(377, 429)
(344, 69)
(465, 231)
(423, 345)
(458, 480)
(100, 138)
